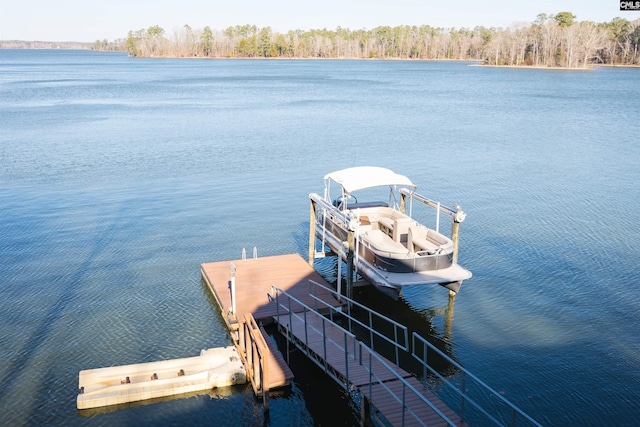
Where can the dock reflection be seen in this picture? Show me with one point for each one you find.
(215, 393)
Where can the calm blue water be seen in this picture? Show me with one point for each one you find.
(119, 176)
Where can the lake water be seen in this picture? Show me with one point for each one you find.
(119, 176)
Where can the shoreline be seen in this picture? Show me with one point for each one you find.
(545, 67)
(476, 62)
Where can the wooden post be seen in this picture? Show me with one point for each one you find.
(265, 385)
(458, 217)
(455, 236)
(312, 232)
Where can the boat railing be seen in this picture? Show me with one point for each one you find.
(345, 217)
(456, 213)
(395, 334)
(473, 395)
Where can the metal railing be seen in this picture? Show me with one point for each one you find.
(421, 347)
(343, 217)
(357, 351)
(407, 388)
(348, 345)
(471, 408)
(255, 355)
(400, 334)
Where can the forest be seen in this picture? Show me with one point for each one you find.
(555, 40)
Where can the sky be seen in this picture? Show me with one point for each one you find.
(91, 20)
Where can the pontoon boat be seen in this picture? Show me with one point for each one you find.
(389, 248)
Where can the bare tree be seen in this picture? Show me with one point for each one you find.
(551, 40)
(590, 40)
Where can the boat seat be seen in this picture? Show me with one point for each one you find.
(401, 229)
(383, 242)
(397, 228)
(385, 224)
(363, 229)
(364, 205)
(424, 245)
(424, 239)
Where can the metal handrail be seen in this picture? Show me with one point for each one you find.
(465, 397)
(405, 386)
(276, 292)
(359, 350)
(399, 331)
(344, 217)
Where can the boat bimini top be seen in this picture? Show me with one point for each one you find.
(361, 177)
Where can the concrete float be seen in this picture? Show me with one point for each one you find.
(215, 367)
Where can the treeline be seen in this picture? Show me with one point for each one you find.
(550, 41)
(25, 44)
(105, 45)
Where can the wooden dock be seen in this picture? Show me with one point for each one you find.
(253, 280)
(378, 380)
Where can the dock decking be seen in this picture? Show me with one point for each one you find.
(253, 280)
(254, 277)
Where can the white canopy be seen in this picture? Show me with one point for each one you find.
(361, 177)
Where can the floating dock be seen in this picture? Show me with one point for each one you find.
(114, 385)
(253, 279)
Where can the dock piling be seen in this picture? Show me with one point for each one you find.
(455, 237)
(448, 320)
